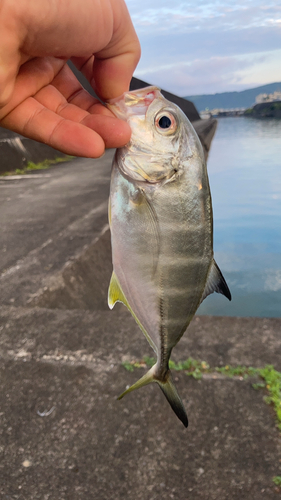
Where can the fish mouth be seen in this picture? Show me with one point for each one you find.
(135, 102)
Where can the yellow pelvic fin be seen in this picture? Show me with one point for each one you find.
(115, 294)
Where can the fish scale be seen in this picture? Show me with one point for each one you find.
(161, 229)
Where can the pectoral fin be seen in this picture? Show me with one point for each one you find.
(140, 199)
(216, 283)
(109, 212)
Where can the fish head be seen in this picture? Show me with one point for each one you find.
(162, 136)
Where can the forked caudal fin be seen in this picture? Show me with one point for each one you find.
(168, 389)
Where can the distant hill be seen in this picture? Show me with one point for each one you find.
(265, 110)
(228, 100)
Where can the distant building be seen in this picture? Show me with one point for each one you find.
(276, 96)
(216, 113)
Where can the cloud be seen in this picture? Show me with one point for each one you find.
(220, 74)
(197, 64)
(161, 16)
(159, 48)
(188, 45)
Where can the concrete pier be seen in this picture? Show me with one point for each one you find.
(63, 434)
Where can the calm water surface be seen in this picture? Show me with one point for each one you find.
(245, 176)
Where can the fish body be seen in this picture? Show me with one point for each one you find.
(161, 228)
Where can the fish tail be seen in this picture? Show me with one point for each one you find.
(167, 387)
(146, 379)
(174, 400)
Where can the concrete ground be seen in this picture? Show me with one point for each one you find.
(63, 434)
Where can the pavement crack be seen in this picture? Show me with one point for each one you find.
(70, 358)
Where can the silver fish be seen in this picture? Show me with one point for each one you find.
(160, 215)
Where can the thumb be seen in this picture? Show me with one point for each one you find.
(110, 70)
(112, 76)
(113, 66)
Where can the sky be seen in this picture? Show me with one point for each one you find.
(203, 47)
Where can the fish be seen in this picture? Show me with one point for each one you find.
(161, 222)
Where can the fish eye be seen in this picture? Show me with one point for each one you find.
(165, 122)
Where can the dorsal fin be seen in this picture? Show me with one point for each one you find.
(216, 283)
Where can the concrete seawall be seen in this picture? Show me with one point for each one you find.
(16, 151)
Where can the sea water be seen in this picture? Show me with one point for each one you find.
(244, 169)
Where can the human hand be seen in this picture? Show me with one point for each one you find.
(39, 95)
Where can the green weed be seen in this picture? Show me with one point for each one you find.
(128, 366)
(237, 371)
(196, 369)
(38, 166)
(272, 380)
(277, 480)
